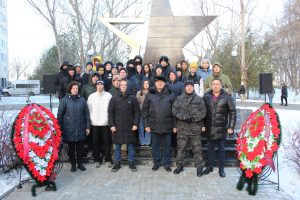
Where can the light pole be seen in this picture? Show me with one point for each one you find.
(90, 53)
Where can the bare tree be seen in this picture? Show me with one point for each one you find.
(48, 10)
(18, 68)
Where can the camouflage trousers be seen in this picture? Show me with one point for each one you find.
(182, 143)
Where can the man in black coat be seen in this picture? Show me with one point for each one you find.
(86, 74)
(61, 74)
(158, 119)
(64, 82)
(284, 94)
(123, 117)
(220, 120)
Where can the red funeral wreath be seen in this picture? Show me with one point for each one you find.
(258, 140)
(36, 137)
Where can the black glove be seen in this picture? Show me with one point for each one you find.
(189, 119)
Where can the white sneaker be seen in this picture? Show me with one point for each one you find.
(97, 164)
(108, 164)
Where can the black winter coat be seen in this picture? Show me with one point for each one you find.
(63, 85)
(157, 111)
(221, 115)
(123, 112)
(74, 118)
(186, 106)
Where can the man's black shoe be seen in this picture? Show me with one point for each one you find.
(208, 170)
(73, 168)
(178, 170)
(81, 167)
(199, 171)
(116, 167)
(155, 167)
(132, 167)
(222, 173)
(168, 168)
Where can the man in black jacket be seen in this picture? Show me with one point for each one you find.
(284, 94)
(124, 117)
(220, 120)
(158, 119)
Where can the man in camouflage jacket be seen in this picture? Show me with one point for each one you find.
(189, 110)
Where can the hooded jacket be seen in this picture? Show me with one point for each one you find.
(177, 87)
(225, 81)
(89, 88)
(99, 58)
(157, 111)
(63, 84)
(62, 73)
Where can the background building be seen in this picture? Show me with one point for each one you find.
(3, 44)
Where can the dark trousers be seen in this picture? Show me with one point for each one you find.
(101, 143)
(75, 148)
(196, 143)
(165, 139)
(220, 143)
(283, 98)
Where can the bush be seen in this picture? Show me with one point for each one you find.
(292, 148)
(8, 157)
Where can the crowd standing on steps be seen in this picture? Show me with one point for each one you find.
(109, 109)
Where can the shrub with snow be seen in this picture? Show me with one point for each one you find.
(292, 148)
(8, 158)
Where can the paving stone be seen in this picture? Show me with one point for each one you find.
(102, 184)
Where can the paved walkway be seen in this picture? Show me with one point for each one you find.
(142, 185)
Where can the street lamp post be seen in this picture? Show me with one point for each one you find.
(90, 53)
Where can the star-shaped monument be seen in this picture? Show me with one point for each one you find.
(168, 34)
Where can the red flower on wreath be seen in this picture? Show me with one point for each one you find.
(252, 146)
(36, 138)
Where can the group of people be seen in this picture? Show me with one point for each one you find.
(112, 105)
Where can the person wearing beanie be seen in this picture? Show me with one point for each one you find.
(114, 70)
(164, 62)
(158, 72)
(86, 75)
(130, 85)
(199, 88)
(204, 71)
(61, 74)
(108, 75)
(157, 116)
(138, 60)
(217, 73)
(130, 67)
(98, 106)
(180, 75)
(189, 110)
(64, 82)
(176, 86)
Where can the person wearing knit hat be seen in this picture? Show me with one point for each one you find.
(217, 73)
(204, 70)
(114, 70)
(189, 110)
(198, 82)
(86, 75)
(130, 85)
(164, 62)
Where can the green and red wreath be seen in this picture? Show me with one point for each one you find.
(258, 140)
(36, 138)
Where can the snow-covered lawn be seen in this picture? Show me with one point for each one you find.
(14, 100)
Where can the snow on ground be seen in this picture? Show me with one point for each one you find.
(14, 100)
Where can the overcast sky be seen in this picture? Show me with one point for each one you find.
(29, 35)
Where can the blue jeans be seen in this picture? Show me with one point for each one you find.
(130, 148)
(156, 141)
(211, 144)
(145, 137)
